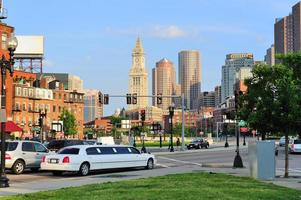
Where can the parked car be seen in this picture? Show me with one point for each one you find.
(198, 143)
(84, 158)
(24, 154)
(295, 146)
(56, 145)
(282, 140)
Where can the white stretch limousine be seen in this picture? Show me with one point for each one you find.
(83, 158)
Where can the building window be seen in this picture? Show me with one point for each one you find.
(42, 107)
(25, 92)
(29, 107)
(18, 91)
(53, 108)
(60, 108)
(23, 120)
(53, 95)
(60, 96)
(47, 108)
(30, 92)
(24, 107)
(17, 106)
(4, 41)
(65, 97)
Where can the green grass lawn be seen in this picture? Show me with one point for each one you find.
(180, 186)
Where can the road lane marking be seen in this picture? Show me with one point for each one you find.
(161, 165)
(181, 161)
(291, 170)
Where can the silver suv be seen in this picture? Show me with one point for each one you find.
(24, 154)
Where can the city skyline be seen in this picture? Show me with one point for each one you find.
(96, 41)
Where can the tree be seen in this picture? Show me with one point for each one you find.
(272, 102)
(69, 121)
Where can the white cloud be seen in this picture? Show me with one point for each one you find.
(158, 31)
(170, 31)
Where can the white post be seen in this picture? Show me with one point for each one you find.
(183, 123)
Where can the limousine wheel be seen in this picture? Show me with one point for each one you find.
(18, 167)
(84, 169)
(150, 164)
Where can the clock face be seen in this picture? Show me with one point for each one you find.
(137, 59)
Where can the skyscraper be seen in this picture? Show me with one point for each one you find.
(138, 76)
(218, 95)
(93, 109)
(270, 56)
(190, 77)
(230, 71)
(287, 31)
(283, 35)
(164, 82)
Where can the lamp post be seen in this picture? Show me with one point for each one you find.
(5, 64)
(42, 115)
(171, 113)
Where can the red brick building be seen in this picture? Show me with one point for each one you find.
(30, 96)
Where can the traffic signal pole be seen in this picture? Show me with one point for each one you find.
(161, 96)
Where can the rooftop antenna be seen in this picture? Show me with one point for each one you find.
(3, 11)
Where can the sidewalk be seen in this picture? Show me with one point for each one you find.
(294, 180)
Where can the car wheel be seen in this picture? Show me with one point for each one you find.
(84, 169)
(57, 173)
(150, 164)
(34, 169)
(18, 167)
(207, 146)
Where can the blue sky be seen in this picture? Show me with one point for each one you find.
(94, 38)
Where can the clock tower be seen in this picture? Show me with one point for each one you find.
(138, 77)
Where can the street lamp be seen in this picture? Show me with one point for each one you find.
(5, 64)
(171, 113)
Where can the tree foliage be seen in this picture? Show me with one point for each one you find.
(69, 120)
(272, 102)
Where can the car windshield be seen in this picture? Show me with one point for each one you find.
(73, 151)
(297, 141)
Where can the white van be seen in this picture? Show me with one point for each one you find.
(84, 158)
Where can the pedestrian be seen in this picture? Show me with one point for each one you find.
(178, 143)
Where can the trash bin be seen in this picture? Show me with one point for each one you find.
(262, 161)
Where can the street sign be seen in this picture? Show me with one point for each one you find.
(242, 123)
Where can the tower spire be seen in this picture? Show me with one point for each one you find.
(138, 46)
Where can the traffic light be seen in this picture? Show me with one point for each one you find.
(134, 98)
(105, 99)
(142, 115)
(100, 98)
(128, 99)
(237, 94)
(40, 122)
(159, 99)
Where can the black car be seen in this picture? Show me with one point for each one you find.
(55, 145)
(198, 143)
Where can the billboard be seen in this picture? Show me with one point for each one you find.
(30, 46)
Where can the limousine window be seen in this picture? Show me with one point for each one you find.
(73, 151)
(106, 150)
(123, 150)
(93, 151)
(134, 150)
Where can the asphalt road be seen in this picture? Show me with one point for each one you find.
(167, 163)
